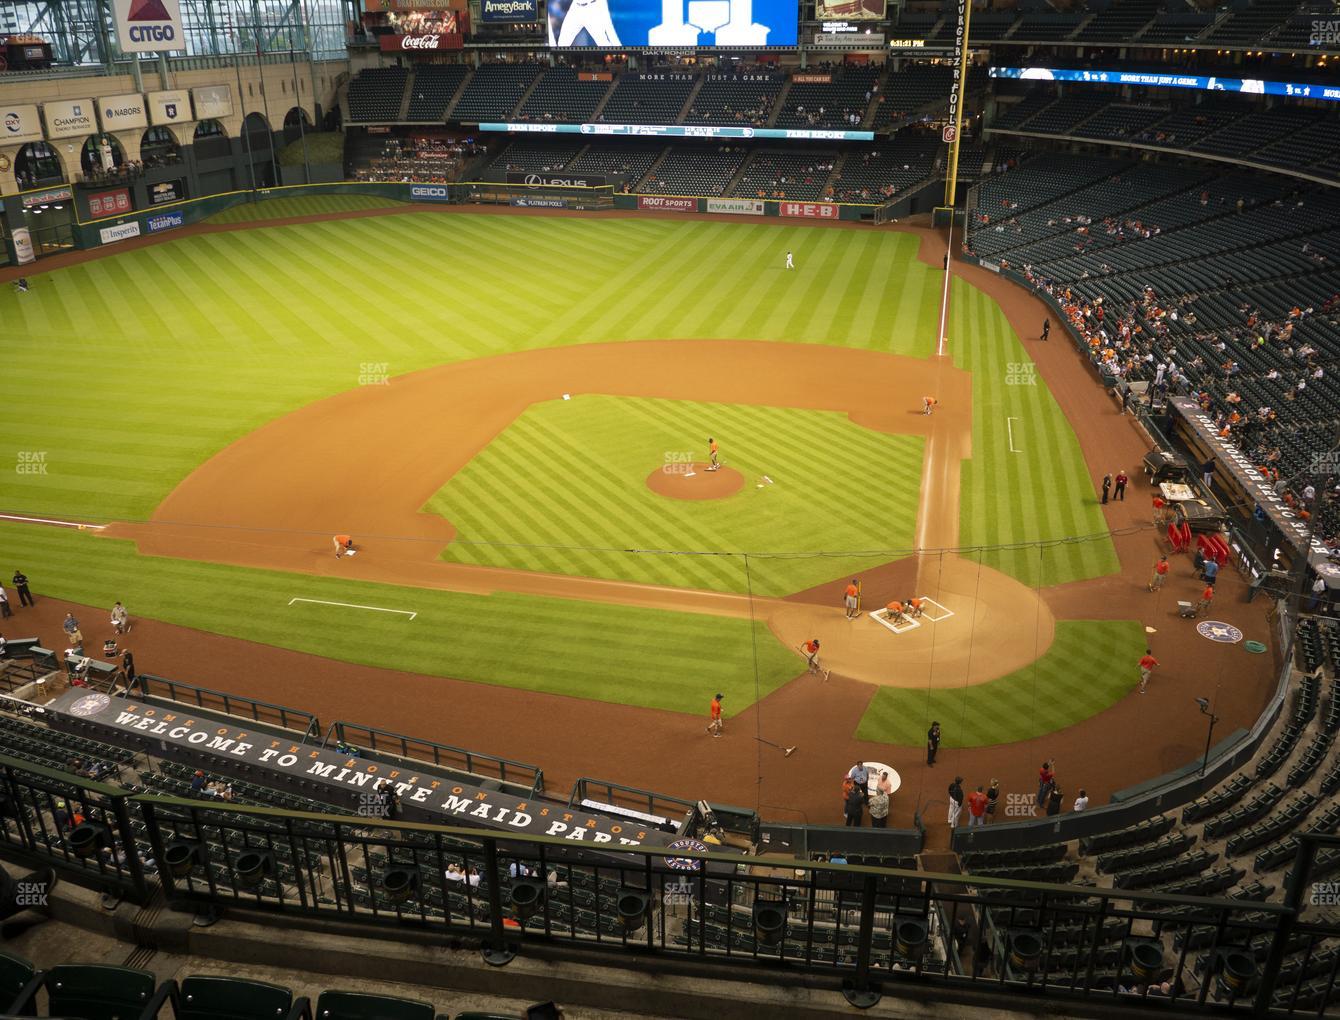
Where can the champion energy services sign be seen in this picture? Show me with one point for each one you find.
(70, 118)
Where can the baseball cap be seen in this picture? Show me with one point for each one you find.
(720, 696)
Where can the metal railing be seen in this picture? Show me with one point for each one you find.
(528, 778)
(292, 719)
(869, 927)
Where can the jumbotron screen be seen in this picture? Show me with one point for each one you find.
(611, 24)
(850, 10)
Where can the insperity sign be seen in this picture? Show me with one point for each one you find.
(165, 729)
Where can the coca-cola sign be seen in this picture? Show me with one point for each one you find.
(557, 180)
(415, 43)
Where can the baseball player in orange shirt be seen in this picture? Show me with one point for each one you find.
(852, 599)
(343, 544)
(714, 727)
(928, 404)
(712, 450)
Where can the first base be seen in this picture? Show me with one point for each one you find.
(351, 552)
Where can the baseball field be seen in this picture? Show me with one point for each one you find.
(511, 415)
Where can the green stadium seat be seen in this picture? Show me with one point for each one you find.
(99, 992)
(360, 1006)
(221, 998)
(19, 983)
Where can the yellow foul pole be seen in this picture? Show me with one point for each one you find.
(953, 132)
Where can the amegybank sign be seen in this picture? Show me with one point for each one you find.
(148, 26)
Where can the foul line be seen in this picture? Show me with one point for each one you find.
(1011, 431)
(47, 520)
(350, 605)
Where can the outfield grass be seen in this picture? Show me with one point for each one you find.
(301, 205)
(1039, 491)
(622, 655)
(1090, 666)
(563, 489)
(198, 341)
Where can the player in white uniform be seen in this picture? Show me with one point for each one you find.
(789, 263)
(592, 15)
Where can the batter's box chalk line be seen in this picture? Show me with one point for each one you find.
(909, 623)
(880, 617)
(352, 605)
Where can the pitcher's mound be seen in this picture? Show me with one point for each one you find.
(694, 481)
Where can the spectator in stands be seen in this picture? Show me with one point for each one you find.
(955, 800)
(198, 783)
(128, 665)
(1081, 802)
(454, 873)
(1314, 603)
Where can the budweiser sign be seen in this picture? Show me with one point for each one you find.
(411, 43)
(667, 203)
(809, 210)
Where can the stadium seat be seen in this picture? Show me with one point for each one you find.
(221, 998)
(19, 982)
(99, 992)
(336, 1005)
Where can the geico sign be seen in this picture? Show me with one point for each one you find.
(152, 33)
(421, 191)
(419, 42)
(810, 210)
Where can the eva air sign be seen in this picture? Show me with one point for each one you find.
(148, 26)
